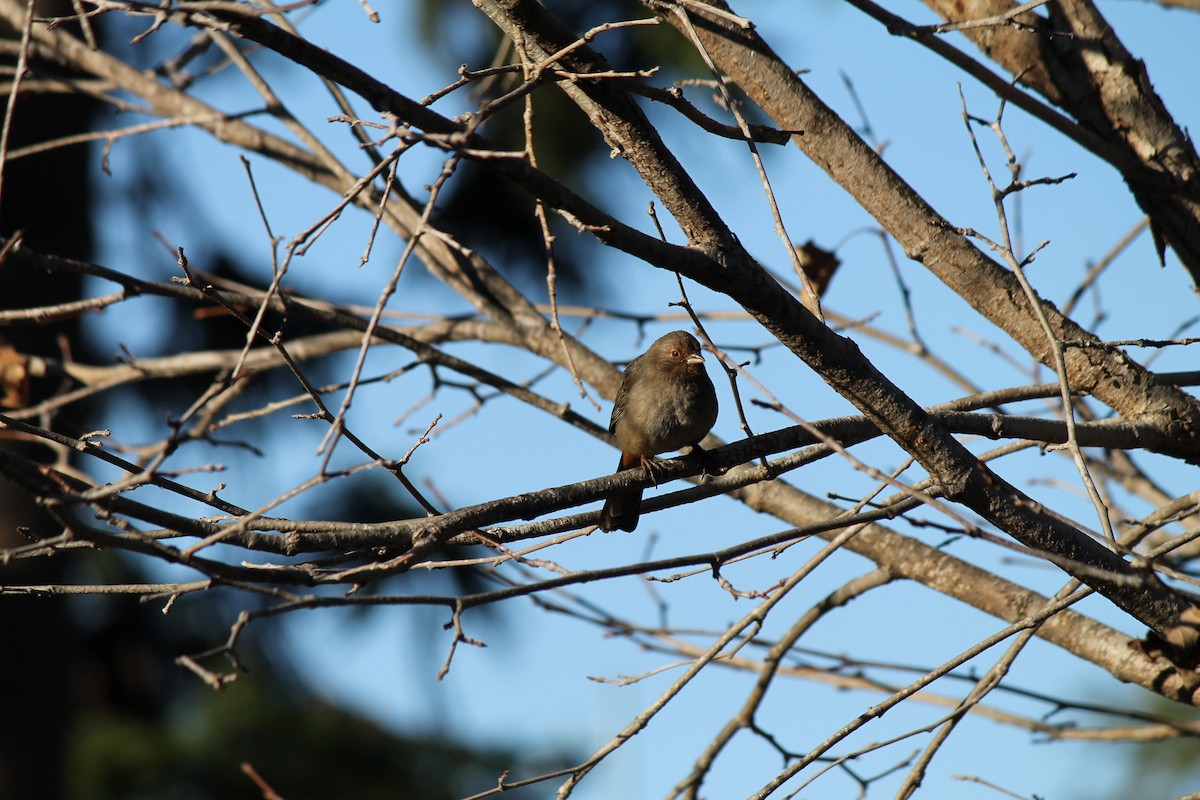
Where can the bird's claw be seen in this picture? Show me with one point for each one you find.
(652, 469)
(706, 463)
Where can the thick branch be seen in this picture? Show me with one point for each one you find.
(1075, 60)
(927, 237)
(838, 360)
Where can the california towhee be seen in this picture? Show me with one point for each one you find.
(666, 402)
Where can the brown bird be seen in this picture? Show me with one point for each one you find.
(666, 402)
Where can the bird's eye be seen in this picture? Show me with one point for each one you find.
(674, 354)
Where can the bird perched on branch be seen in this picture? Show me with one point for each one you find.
(666, 402)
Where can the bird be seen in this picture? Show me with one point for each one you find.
(666, 402)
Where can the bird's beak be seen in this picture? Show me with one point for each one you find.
(695, 358)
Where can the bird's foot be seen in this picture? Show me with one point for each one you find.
(652, 468)
(706, 462)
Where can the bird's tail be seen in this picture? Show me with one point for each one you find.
(621, 511)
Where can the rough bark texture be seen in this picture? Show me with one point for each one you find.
(1076, 61)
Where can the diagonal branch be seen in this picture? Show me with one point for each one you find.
(729, 269)
(1076, 61)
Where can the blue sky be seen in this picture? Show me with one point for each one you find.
(531, 685)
